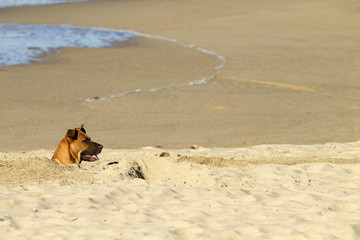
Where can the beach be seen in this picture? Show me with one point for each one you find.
(291, 76)
(220, 120)
(260, 192)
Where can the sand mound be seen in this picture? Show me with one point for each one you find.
(269, 191)
(196, 166)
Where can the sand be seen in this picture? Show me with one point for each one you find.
(291, 76)
(275, 133)
(260, 192)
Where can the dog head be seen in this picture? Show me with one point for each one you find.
(81, 147)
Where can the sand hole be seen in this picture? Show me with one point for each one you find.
(136, 171)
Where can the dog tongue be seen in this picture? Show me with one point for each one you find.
(90, 157)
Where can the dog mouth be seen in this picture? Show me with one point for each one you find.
(89, 157)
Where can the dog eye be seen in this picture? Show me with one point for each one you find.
(87, 140)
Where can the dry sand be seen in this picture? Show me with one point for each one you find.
(291, 77)
(205, 193)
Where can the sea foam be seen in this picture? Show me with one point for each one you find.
(18, 3)
(203, 80)
(23, 44)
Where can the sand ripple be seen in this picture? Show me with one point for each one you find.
(181, 199)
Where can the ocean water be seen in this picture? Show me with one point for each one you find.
(18, 3)
(23, 44)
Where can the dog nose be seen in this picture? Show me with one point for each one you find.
(100, 147)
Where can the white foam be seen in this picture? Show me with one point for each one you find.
(22, 44)
(18, 3)
(203, 80)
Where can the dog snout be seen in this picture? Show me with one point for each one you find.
(99, 146)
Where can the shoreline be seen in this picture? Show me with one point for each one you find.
(285, 81)
(262, 166)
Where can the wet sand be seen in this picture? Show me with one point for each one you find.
(291, 76)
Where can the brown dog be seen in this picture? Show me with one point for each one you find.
(75, 147)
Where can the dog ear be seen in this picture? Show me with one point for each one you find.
(82, 128)
(72, 133)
